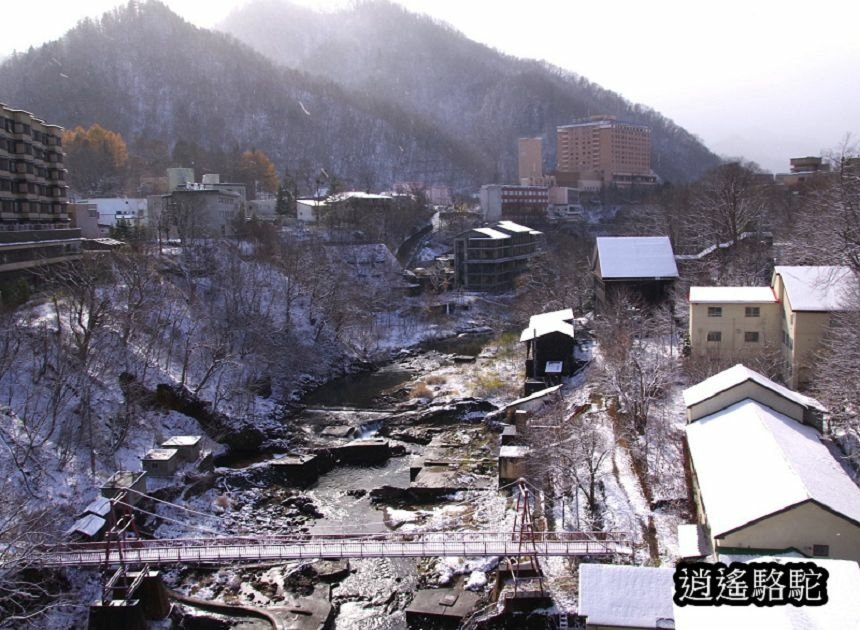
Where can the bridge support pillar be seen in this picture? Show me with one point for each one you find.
(117, 613)
(153, 595)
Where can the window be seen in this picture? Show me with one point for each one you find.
(751, 337)
(820, 550)
(752, 311)
(715, 335)
(715, 311)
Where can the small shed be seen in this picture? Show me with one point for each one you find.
(189, 447)
(549, 344)
(88, 528)
(440, 608)
(512, 462)
(509, 435)
(123, 480)
(100, 506)
(161, 462)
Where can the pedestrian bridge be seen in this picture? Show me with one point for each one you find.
(283, 548)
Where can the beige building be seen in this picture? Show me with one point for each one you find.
(733, 323)
(618, 152)
(34, 221)
(530, 160)
(789, 317)
(807, 298)
(765, 483)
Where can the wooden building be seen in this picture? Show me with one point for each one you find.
(642, 266)
(549, 344)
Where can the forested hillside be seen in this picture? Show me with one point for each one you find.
(466, 88)
(146, 73)
(374, 95)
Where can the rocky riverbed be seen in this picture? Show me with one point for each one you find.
(420, 403)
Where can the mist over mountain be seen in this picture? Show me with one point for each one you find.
(474, 91)
(373, 94)
(143, 71)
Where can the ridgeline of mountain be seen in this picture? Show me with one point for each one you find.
(143, 71)
(374, 94)
(468, 89)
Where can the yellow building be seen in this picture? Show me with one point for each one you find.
(808, 296)
(733, 323)
(789, 317)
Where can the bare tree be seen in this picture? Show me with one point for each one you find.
(730, 200)
(569, 452)
(637, 357)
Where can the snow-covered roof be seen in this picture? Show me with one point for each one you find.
(512, 450)
(535, 396)
(736, 375)
(354, 194)
(545, 323)
(775, 462)
(627, 596)
(491, 233)
(89, 525)
(181, 440)
(840, 611)
(732, 295)
(636, 257)
(160, 454)
(510, 226)
(100, 506)
(822, 288)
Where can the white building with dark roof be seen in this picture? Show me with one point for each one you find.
(642, 265)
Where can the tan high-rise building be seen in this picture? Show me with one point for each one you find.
(530, 160)
(617, 152)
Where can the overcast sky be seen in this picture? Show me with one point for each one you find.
(763, 79)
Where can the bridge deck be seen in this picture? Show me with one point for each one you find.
(278, 548)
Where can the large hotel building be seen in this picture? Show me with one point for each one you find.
(601, 147)
(34, 220)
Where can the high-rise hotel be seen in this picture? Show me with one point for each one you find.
(601, 147)
(34, 220)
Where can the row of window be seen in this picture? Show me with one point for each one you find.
(17, 147)
(10, 125)
(23, 207)
(22, 187)
(21, 166)
(749, 311)
(750, 336)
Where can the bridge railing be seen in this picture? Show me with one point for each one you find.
(391, 544)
